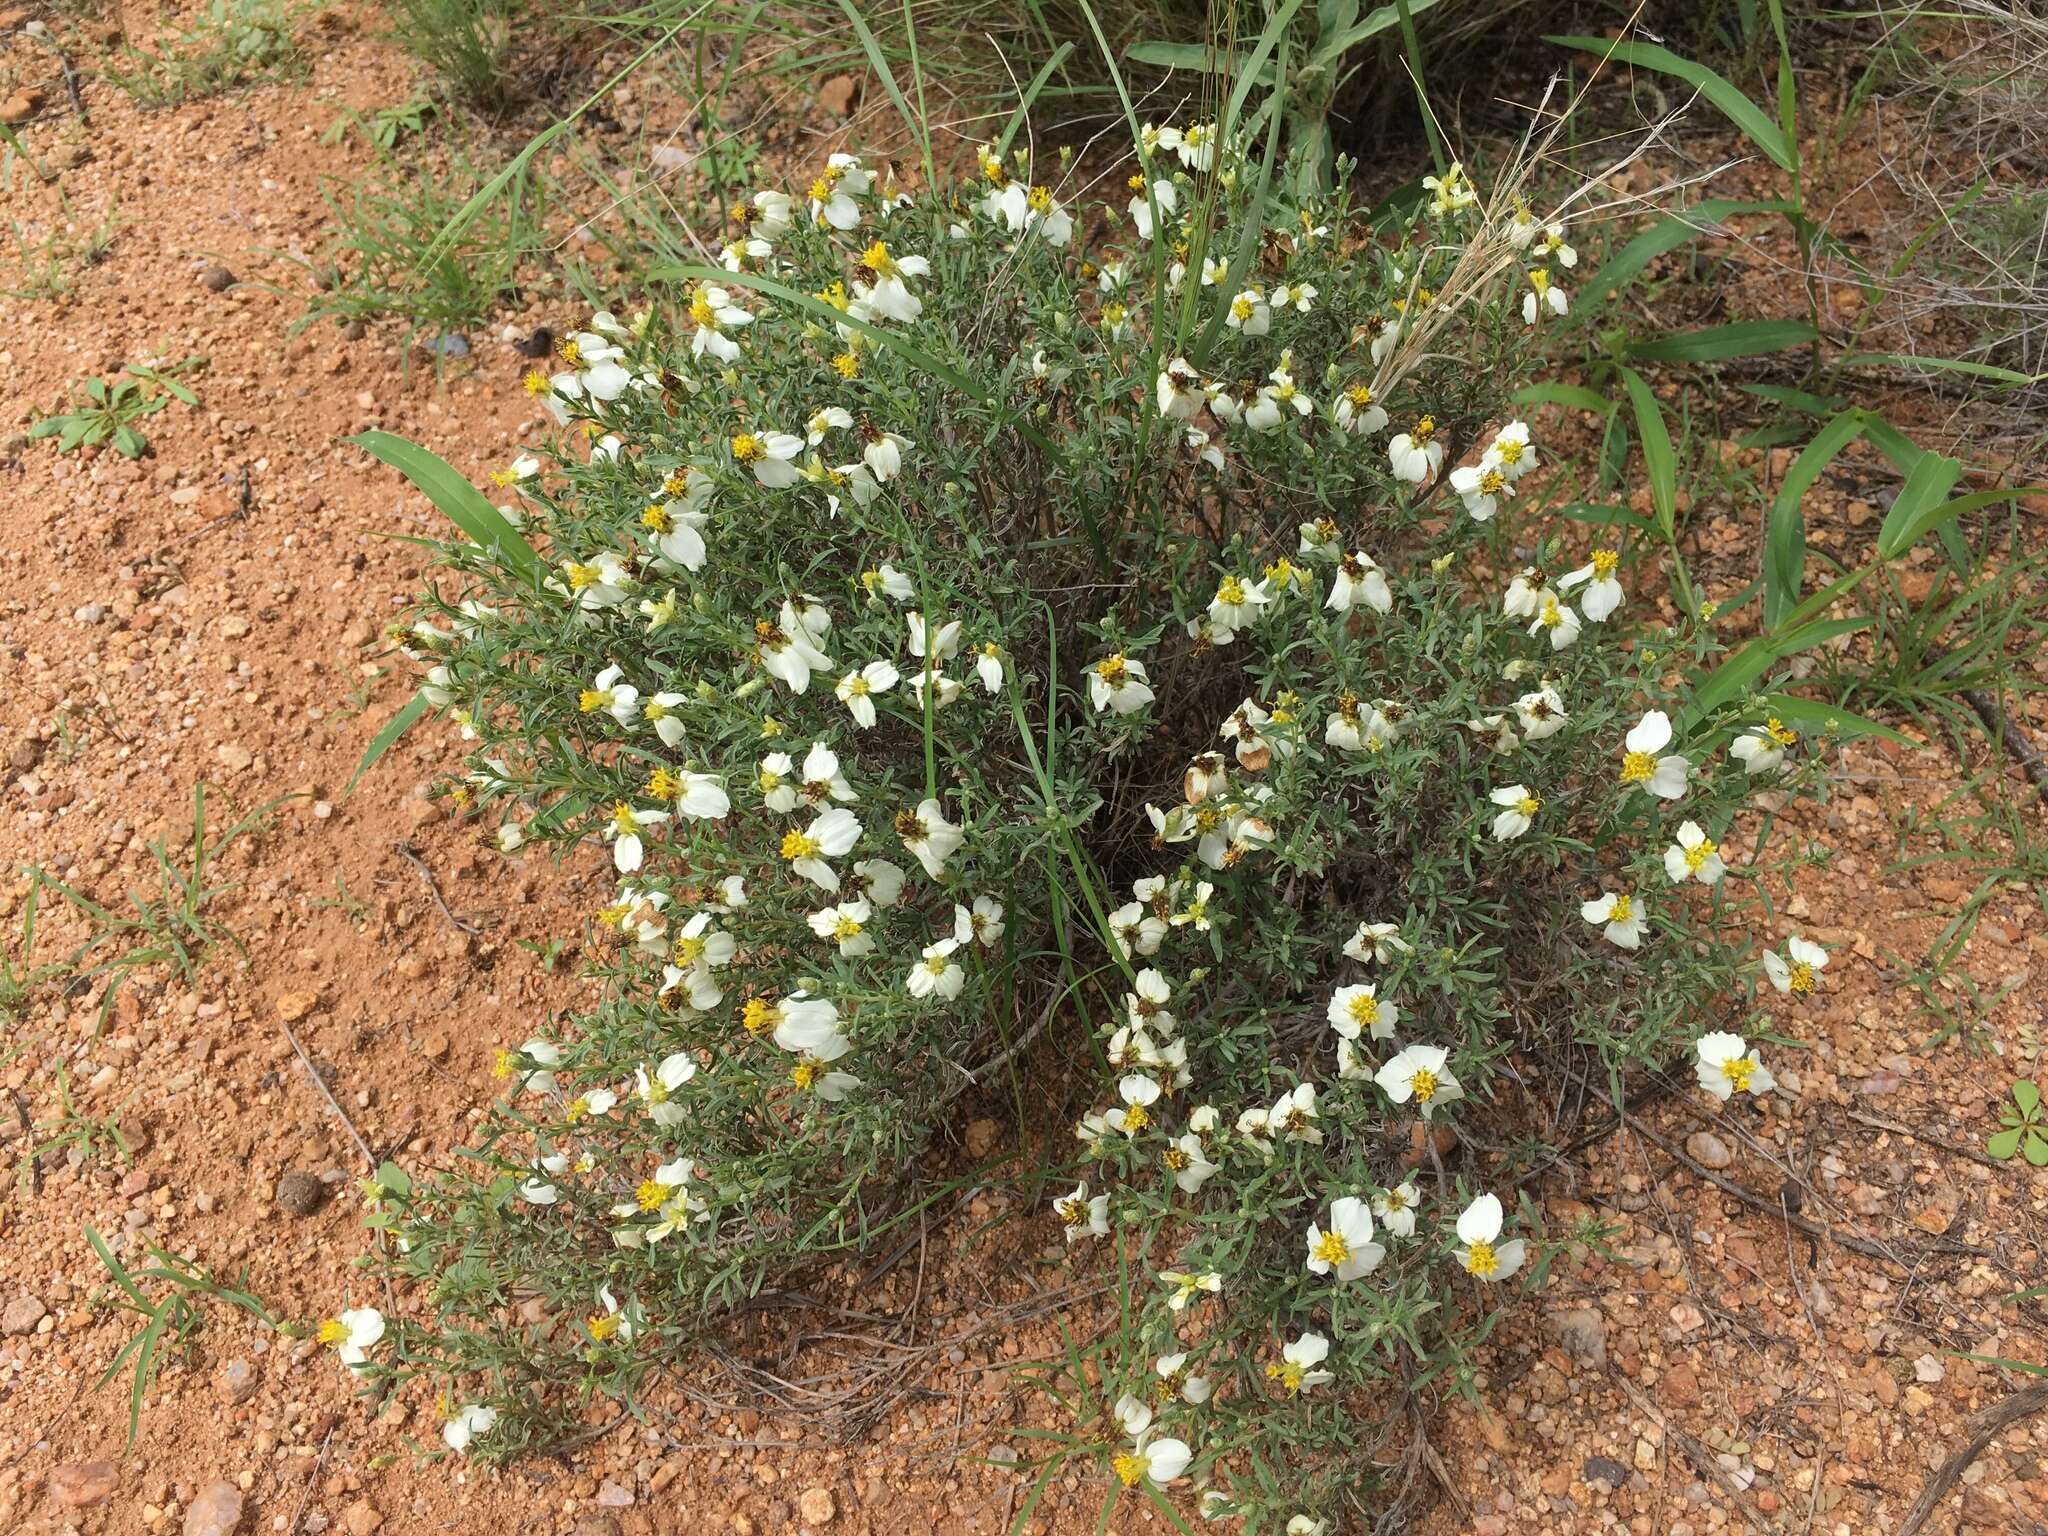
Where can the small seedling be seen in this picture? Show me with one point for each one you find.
(385, 127)
(111, 410)
(172, 927)
(235, 42)
(19, 975)
(2025, 1133)
(176, 1315)
(93, 1136)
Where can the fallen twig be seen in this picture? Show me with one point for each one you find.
(369, 1157)
(411, 855)
(1703, 1460)
(1984, 1428)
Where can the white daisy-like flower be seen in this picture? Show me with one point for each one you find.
(1416, 454)
(1694, 856)
(1345, 1248)
(1300, 1366)
(1556, 619)
(1517, 813)
(929, 836)
(622, 829)
(1762, 748)
(1359, 1010)
(1481, 486)
(1178, 391)
(1083, 1214)
(1118, 683)
(1357, 412)
(352, 1334)
(846, 925)
(713, 316)
(1420, 1073)
(470, 1422)
(832, 833)
(1725, 1065)
(937, 973)
(1797, 971)
(1482, 1253)
(1396, 1208)
(1540, 713)
(1378, 943)
(1665, 777)
(1620, 918)
(857, 690)
(1359, 582)
(1603, 593)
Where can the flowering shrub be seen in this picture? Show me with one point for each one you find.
(979, 617)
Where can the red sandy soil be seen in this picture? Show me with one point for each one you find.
(214, 613)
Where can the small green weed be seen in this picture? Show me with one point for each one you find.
(94, 1137)
(2024, 1133)
(20, 976)
(47, 267)
(468, 43)
(110, 411)
(400, 254)
(384, 128)
(171, 927)
(237, 42)
(175, 1316)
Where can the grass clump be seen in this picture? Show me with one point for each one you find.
(235, 43)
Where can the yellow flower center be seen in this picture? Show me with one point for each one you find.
(1739, 1072)
(1492, 483)
(663, 785)
(1230, 591)
(797, 845)
(333, 1332)
(846, 365)
(1552, 615)
(845, 928)
(689, 951)
(1130, 1466)
(591, 700)
(1529, 805)
(1072, 1211)
(1360, 396)
(1423, 431)
(1332, 1249)
(747, 448)
(603, 1325)
(1241, 306)
(1112, 315)
(504, 1065)
(805, 1074)
(1480, 1260)
(876, 259)
(1176, 1160)
(1624, 909)
(1800, 977)
(1136, 1118)
(650, 1195)
(535, 383)
(758, 1016)
(701, 313)
(572, 353)
(657, 518)
(1699, 853)
(1508, 450)
(1604, 562)
(1111, 670)
(581, 576)
(623, 819)
(1039, 200)
(1775, 729)
(1636, 768)
(1288, 1374)
(1364, 1010)
(1424, 1083)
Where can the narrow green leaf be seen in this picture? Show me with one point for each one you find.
(1735, 676)
(1734, 105)
(1744, 338)
(1659, 461)
(1816, 715)
(1195, 56)
(1030, 95)
(1785, 533)
(1922, 504)
(1944, 365)
(462, 503)
(386, 738)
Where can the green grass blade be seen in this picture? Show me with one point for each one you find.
(1668, 234)
(1785, 533)
(462, 503)
(1658, 459)
(1734, 105)
(386, 739)
(1744, 338)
